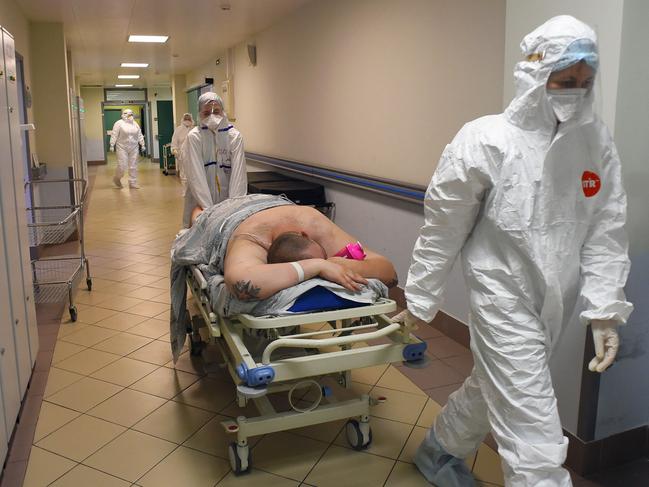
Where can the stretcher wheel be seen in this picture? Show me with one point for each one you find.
(73, 313)
(89, 284)
(359, 435)
(240, 459)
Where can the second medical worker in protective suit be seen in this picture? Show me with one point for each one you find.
(213, 158)
(533, 200)
(125, 138)
(177, 141)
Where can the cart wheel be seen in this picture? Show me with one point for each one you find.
(240, 459)
(359, 435)
(73, 313)
(89, 284)
(166, 173)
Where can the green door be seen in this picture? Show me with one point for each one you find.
(165, 124)
(110, 117)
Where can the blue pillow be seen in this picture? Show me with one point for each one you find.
(322, 299)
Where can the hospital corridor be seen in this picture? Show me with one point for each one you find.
(324, 243)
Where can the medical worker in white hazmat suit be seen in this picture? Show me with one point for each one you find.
(125, 138)
(533, 200)
(213, 158)
(177, 141)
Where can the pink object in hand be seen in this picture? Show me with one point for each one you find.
(352, 251)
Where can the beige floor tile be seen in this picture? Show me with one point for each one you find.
(406, 475)
(160, 271)
(194, 365)
(142, 279)
(87, 361)
(163, 283)
(212, 395)
(339, 464)
(130, 455)
(173, 421)
(165, 298)
(287, 455)
(51, 417)
(145, 292)
(124, 371)
(99, 284)
(140, 267)
(155, 352)
(84, 394)
(92, 298)
(120, 275)
(45, 467)
(127, 407)
(165, 315)
(121, 321)
(67, 328)
(151, 328)
(120, 303)
(122, 344)
(400, 406)
(487, 466)
(187, 468)
(82, 476)
(393, 379)
(93, 314)
(388, 437)
(165, 382)
(213, 439)
(256, 478)
(428, 415)
(123, 288)
(415, 439)
(81, 437)
(63, 350)
(369, 375)
(89, 336)
(326, 432)
(58, 379)
(148, 309)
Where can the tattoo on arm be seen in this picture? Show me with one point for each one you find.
(246, 290)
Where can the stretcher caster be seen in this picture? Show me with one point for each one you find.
(359, 435)
(89, 284)
(240, 459)
(73, 313)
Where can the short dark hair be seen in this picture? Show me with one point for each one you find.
(289, 247)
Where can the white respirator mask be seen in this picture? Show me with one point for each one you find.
(567, 103)
(213, 121)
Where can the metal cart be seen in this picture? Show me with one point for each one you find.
(168, 160)
(51, 225)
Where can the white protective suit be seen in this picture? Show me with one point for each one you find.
(537, 211)
(177, 141)
(214, 165)
(125, 138)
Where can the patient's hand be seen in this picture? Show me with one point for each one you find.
(335, 272)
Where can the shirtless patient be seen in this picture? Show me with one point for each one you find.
(261, 249)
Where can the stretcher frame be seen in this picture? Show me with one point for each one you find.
(350, 351)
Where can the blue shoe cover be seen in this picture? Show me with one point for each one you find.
(440, 468)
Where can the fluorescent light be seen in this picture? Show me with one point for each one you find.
(123, 86)
(160, 39)
(128, 76)
(134, 65)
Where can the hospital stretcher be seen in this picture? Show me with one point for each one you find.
(326, 353)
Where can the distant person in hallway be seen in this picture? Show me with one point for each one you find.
(124, 140)
(533, 201)
(177, 141)
(213, 158)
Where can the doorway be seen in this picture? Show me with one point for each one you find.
(112, 112)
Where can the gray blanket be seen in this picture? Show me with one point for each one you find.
(205, 244)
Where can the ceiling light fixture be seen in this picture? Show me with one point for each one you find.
(134, 65)
(138, 38)
(128, 76)
(123, 86)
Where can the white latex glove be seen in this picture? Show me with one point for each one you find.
(405, 317)
(607, 343)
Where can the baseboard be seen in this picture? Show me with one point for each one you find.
(587, 458)
(96, 163)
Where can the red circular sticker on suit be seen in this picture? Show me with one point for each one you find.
(590, 183)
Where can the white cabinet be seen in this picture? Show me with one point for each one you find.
(18, 331)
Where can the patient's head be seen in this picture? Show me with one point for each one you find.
(292, 246)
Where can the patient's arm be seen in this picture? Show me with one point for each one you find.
(249, 277)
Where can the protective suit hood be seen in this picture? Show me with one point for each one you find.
(542, 49)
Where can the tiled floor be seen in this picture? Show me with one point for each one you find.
(116, 412)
